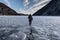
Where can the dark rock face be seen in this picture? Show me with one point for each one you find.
(5, 10)
(51, 9)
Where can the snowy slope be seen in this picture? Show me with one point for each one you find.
(17, 28)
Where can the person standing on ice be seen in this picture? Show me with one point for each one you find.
(30, 36)
(30, 19)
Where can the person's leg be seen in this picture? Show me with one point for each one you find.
(30, 22)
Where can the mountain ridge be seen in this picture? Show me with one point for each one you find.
(51, 9)
(5, 10)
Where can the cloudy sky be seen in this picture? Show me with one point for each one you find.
(26, 6)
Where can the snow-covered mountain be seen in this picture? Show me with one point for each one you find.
(51, 9)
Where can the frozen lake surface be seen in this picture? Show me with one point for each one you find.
(17, 28)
